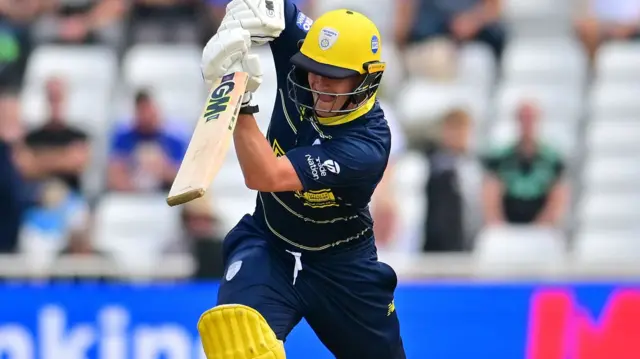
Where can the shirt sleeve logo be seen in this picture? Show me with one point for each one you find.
(303, 22)
(332, 166)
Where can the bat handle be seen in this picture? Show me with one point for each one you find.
(235, 67)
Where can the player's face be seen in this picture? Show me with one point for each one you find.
(329, 99)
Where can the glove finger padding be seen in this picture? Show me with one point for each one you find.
(222, 50)
(263, 18)
(251, 64)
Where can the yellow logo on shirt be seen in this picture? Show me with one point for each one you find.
(317, 198)
(277, 150)
(392, 308)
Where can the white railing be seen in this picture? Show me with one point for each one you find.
(408, 267)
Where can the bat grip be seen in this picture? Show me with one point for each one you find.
(235, 67)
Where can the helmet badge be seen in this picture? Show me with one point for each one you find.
(375, 44)
(328, 37)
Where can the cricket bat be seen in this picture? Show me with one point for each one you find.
(210, 140)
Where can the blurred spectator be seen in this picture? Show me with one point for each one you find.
(200, 238)
(16, 18)
(524, 181)
(384, 206)
(82, 22)
(603, 20)
(58, 215)
(11, 201)
(445, 223)
(61, 150)
(79, 246)
(145, 156)
(165, 21)
(418, 21)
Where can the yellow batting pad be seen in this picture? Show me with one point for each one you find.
(235, 331)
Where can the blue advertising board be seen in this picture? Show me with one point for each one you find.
(439, 321)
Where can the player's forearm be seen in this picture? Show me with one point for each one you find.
(256, 158)
(262, 170)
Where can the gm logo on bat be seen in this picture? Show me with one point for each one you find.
(219, 99)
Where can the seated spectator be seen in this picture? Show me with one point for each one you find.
(524, 181)
(603, 20)
(145, 156)
(79, 246)
(82, 22)
(61, 150)
(16, 165)
(153, 21)
(445, 228)
(462, 21)
(16, 20)
(47, 226)
(200, 238)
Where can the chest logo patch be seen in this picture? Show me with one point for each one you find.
(317, 198)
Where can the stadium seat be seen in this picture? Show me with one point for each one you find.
(562, 135)
(477, 66)
(617, 62)
(614, 99)
(91, 67)
(411, 173)
(612, 137)
(544, 62)
(89, 73)
(87, 106)
(230, 207)
(421, 101)
(182, 102)
(229, 179)
(505, 250)
(134, 228)
(381, 12)
(556, 101)
(614, 248)
(609, 211)
(155, 65)
(606, 174)
(543, 18)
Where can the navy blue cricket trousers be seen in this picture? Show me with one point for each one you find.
(346, 295)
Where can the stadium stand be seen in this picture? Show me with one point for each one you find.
(592, 116)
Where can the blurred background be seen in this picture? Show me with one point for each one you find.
(510, 204)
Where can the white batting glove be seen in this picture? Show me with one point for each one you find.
(250, 64)
(223, 50)
(264, 19)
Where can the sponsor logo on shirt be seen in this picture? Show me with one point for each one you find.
(316, 167)
(303, 22)
(317, 198)
(331, 166)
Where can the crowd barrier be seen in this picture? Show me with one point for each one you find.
(445, 320)
(448, 307)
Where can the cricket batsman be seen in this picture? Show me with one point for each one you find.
(308, 249)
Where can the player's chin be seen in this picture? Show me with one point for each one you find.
(324, 111)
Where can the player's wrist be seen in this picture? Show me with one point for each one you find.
(247, 106)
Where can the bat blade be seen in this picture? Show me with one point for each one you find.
(210, 140)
